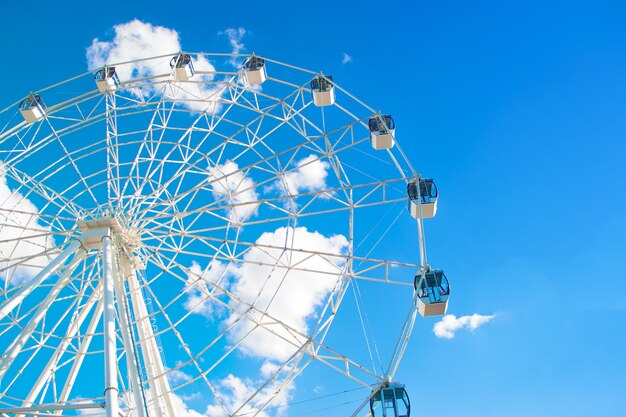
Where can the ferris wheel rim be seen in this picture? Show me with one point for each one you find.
(80, 125)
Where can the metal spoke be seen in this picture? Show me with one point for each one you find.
(132, 216)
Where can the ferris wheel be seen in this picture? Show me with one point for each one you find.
(205, 229)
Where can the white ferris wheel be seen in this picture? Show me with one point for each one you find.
(181, 228)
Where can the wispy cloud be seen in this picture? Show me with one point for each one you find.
(235, 37)
(346, 59)
(447, 327)
(268, 368)
(191, 397)
(234, 391)
(177, 376)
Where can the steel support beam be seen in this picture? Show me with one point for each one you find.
(83, 348)
(19, 296)
(71, 332)
(127, 338)
(111, 390)
(159, 385)
(18, 343)
(51, 407)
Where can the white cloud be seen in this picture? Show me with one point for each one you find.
(234, 391)
(291, 296)
(268, 369)
(346, 59)
(309, 175)
(200, 285)
(191, 397)
(229, 183)
(235, 37)
(136, 40)
(298, 294)
(176, 376)
(182, 410)
(450, 324)
(21, 233)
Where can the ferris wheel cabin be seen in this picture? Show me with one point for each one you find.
(323, 90)
(32, 108)
(433, 292)
(182, 66)
(382, 131)
(107, 80)
(255, 71)
(426, 199)
(390, 401)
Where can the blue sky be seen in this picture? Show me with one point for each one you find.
(515, 108)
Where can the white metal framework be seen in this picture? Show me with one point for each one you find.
(136, 218)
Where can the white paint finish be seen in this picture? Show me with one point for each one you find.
(111, 390)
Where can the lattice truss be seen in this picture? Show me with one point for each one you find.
(220, 202)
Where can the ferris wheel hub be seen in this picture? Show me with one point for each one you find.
(94, 227)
